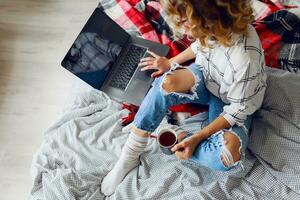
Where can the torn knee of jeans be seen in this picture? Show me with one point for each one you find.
(230, 154)
(168, 84)
(227, 158)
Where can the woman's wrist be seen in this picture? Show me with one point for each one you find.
(203, 133)
(218, 124)
(174, 60)
(171, 60)
(199, 136)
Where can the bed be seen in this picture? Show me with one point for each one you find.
(81, 147)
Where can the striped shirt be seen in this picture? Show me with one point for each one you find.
(235, 74)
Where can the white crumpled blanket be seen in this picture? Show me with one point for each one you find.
(81, 147)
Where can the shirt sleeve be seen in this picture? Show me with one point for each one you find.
(246, 93)
(195, 46)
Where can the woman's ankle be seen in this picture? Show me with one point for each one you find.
(139, 132)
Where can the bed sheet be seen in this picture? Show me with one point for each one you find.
(81, 147)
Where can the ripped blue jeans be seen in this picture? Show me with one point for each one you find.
(209, 151)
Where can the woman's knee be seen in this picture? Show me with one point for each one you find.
(232, 151)
(219, 153)
(182, 80)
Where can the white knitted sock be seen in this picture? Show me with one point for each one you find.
(128, 160)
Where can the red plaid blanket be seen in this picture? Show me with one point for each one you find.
(278, 30)
(144, 18)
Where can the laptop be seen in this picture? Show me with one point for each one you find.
(106, 57)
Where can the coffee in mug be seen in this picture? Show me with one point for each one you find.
(167, 138)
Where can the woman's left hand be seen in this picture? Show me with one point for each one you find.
(185, 149)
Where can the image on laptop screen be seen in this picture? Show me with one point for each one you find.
(95, 50)
(91, 57)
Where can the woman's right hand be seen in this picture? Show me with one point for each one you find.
(186, 146)
(161, 64)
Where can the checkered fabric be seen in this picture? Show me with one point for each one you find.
(235, 75)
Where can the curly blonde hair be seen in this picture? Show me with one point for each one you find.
(210, 19)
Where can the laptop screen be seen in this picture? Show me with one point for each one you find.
(96, 49)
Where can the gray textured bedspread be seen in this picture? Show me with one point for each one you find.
(81, 147)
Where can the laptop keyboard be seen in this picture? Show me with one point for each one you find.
(125, 71)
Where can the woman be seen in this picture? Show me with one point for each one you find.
(228, 75)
